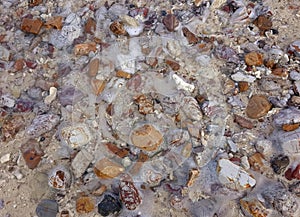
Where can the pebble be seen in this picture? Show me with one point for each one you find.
(254, 59)
(31, 25)
(54, 22)
(69, 95)
(191, 37)
(123, 74)
(121, 152)
(47, 208)
(75, 135)
(290, 127)
(264, 23)
(4, 53)
(109, 205)
(145, 104)
(33, 3)
(17, 173)
(19, 64)
(243, 122)
(253, 207)
(174, 65)
(42, 124)
(233, 176)
(107, 169)
(243, 86)
(81, 162)
(7, 100)
(287, 116)
(98, 86)
(146, 137)
(295, 75)
(59, 178)
(51, 96)
(171, 23)
(94, 67)
(258, 106)
(85, 49)
(280, 163)
(182, 85)
(239, 76)
(295, 48)
(32, 153)
(5, 158)
(90, 26)
(117, 28)
(85, 204)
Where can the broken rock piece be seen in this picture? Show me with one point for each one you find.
(31, 25)
(107, 169)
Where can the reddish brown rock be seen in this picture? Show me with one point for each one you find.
(256, 161)
(174, 65)
(146, 137)
(117, 28)
(54, 22)
(258, 106)
(243, 86)
(243, 122)
(94, 67)
(123, 74)
(171, 23)
(90, 26)
(32, 153)
(121, 152)
(254, 59)
(85, 49)
(85, 205)
(145, 104)
(31, 25)
(33, 3)
(19, 64)
(107, 169)
(263, 23)
(290, 127)
(11, 126)
(281, 72)
(191, 37)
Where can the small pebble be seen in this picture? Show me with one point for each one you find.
(280, 163)
(171, 23)
(90, 26)
(47, 208)
(94, 67)
(84, 205)
(109, 205)
(254, 59)
(107, 169)
(5, 158)
(258, 106)
(31, 25)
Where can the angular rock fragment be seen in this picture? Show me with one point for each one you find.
(191, 37)
(85, 204)
(243, 122)
(54, 22)
(47, 208)
(253, 207)
(254, 59)
(258, 106)
(171, 22)
(109, 205)
(145, 104)
(85, 49)
(42, 124)
(81, 162)
(123, 74)
(289, 115)
(94, 67)
(146, 137)
(32, 153)
(31, 25)
(107, 169)
(174, 65)
(117, 28)
(90, 26)
(98, 86)
(280, 163)
(264, 23)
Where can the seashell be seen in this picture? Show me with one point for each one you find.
(59, 178)
(75, 136)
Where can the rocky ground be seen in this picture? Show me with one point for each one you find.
(150, 108)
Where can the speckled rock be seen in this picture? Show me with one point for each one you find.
(258, 106)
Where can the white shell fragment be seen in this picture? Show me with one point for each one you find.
(51, 96)
(233, 175)
(182, 85)
(75, 136)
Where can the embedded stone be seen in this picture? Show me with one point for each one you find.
(254, 59)
(258, 106)
(107, 169)
(31, 25)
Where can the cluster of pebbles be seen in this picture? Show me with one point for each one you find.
(150, 108)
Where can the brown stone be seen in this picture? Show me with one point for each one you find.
(98, 192)
(84, 205)
(54, 22)
(32, 153)
(19, 64)
(290, 127)
(254, 59)
(64, 213)
(31, 25)
(11, 126)
(258, 106)
(94, 67)
(174, 65)
(98, 86)
(107, 169)
(117, 28)
(137, 166)
(123, 74)
(145, 104)
(256, 161)
(194, 173)
(191, 37)
(85, 49)
(243, 86)
(270, 63)
(253, 208)
(90, 26)
(281, 72)
(121, 152)
(243, 122)
(170, 21)
(33, 3)
(146, 137)
(263, 23)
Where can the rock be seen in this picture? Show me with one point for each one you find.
(295, 188)
(59, 178)
(191, 37)
(69, 95)
(98, 86)
(31, 25)
(109, 205)
(280, 163)
(75, 135)
(42, 124)
(33, 3)
(107, 169)
(294, 75)
(171, 23)
(264, 23)
(287, 116)
(146, 137)
(47, 208)
(64, 213)
(85, 49)
(94, 67)
(121, 152)
(290, 127)
(54, 22)
(117, 28)
(90, 26)
(11, 126)
(257, 162)
(129, 195)
(4, 53)
(123, 74)
(145, 104)
(134, 30)
(281, 72)
(81, 162)
(85, 205)
(193, 175)
(182, 85)
(174, 65)
(19, 64)
(258, 106)
(32, 153)
(5, 158)
(253, 207)
(243, 122)
(7, 100)
(243, 86)
(191, 108)
(239, 76)
(295, 48)
(254, 59)
(51, 96)
(234, 176)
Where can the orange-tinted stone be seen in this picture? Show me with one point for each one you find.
(85, 205)
(98, 86)
(107, 169)
(55, 22)
(174, 65)
(290, 127)
(19, 64)
(122, 74)
(94, 67)
(254, 59)
(90, 26)
(85, 49)
(243, 86)
(31, 153)
(31, 25)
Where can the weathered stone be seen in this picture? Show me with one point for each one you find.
(174, 65)
(264, 23)
(258, 106)
(98, 86)
(191, 37)
(243, 86)
(243, 122)
(75, 135)
(85, 205)
(117, 28)
(146, 137)
(81, 162)
(108, 205)
(171, 23)
(94, 67)
(123, 74)
(145, 104)
(254, 59)
(54, 22)
(31, 25)
(106, 169)
(85, 49)
(290, 127)
(90, 26)
(47, 208)
(253, 207)
(280, 163)
(32, 153)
